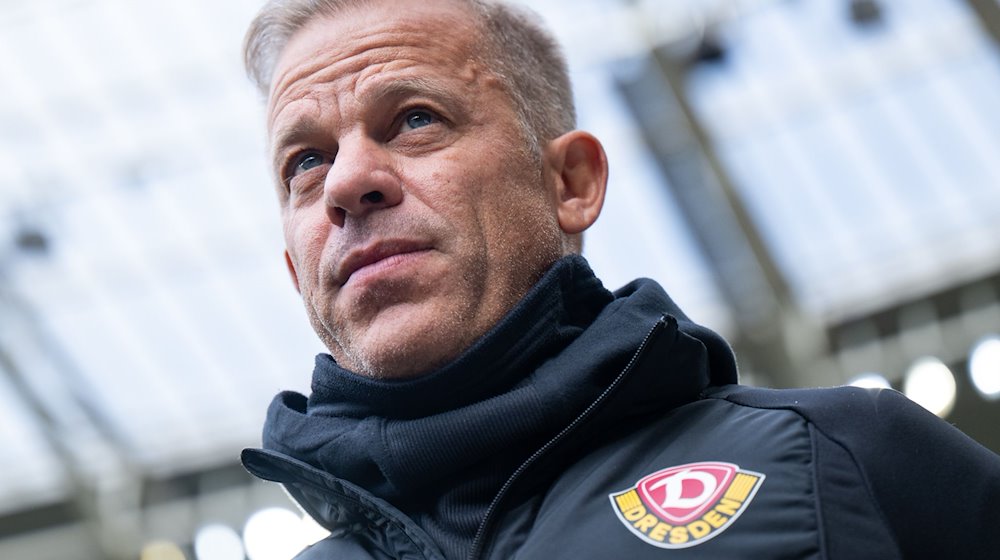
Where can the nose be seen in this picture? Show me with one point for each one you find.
(361, 180)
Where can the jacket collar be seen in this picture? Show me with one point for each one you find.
(439, 447)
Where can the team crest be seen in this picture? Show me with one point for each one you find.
(686, 505)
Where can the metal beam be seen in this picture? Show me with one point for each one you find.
(98, 506)
(775, 340)
(988, 13)
(82, 495)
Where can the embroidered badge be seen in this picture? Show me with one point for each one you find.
(686, 505)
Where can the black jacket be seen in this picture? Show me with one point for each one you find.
(597, 425)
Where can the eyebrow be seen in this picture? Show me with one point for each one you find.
(378, 94)
(411, 87)
(290, 134)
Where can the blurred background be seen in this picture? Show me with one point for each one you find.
(819, 181)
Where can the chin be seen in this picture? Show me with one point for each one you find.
(398, 365)
(403, 355)
(411, 339)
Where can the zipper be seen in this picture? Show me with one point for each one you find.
(479, 542)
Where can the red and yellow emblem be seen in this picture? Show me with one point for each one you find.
(686, 505)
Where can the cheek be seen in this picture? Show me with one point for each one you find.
(305, 241)
(449, 198)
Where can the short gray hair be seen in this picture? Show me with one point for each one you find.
(517, 48)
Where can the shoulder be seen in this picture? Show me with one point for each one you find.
(335, 547)
(877, 426)
(818, 403)
(842, 412)
(859, 418)
(925, 475)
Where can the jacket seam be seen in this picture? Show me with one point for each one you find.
(857, 466)
(820, 521)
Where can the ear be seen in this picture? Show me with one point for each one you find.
(291, 271)
(579, 168)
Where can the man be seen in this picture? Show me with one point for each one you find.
(485, 396)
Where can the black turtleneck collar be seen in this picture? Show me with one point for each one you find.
(554, 312)
(439, 447)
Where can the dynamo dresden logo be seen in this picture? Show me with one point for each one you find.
(686, 505)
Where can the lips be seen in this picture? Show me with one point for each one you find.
(374, 255)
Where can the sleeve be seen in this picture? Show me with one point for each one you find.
(334, 547)
(938, 489)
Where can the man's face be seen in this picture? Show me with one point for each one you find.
(414, 214)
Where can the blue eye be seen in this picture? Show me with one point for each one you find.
(308, 161)
(419, 118)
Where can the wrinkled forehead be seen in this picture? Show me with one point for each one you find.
(438, 32)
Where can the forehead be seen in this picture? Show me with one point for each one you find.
(366, 39)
